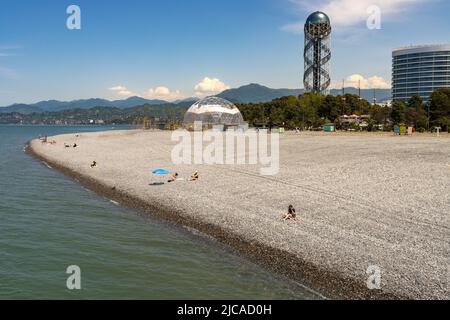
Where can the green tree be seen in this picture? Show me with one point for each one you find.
(353, 104)
(398, 113)
(331, 108)
(415, 113)
(440, 108)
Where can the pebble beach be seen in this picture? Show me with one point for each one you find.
(363, 201)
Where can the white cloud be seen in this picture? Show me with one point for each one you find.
(5, 51)
(123, 91)
(163, 93)
(209, 87)
(348, 13)
(118, 88)
(374, 82)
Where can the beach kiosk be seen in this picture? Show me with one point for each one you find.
(329, 127)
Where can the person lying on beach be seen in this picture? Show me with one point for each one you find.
(174, 177)
(75, 145)
(94, 164)
(66, 145)
(291, 215)
(194, 176)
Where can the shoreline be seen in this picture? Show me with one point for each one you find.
(324, 282)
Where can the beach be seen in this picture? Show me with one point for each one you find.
(362, 201)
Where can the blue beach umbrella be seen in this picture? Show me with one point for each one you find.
(160, 171)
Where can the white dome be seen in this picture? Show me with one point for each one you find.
(213, 111)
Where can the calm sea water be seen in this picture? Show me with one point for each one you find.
(48, 222)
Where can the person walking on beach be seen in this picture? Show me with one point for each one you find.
(94, 164)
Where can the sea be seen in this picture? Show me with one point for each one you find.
(59, 240)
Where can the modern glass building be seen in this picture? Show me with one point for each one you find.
(419, 70)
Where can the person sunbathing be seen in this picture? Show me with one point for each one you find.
(195, 176)
(174, 177)
(291, 215)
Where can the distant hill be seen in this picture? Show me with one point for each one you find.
(382, 95)
(55, 105)
(254, 93)
(136, 101)
(21, 108)
(108, 115)
(191, 100)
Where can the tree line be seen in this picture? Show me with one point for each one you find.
(311, 110)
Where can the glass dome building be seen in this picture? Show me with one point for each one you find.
(213, 111)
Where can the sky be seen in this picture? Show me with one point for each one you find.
(174, 49)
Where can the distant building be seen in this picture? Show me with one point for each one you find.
(353, 119)
(419, 70)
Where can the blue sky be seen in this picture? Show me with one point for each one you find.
(175, 49)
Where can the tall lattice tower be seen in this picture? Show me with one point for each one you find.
(317, 53)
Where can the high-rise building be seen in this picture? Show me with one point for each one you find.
(419, 70)
(317, 53)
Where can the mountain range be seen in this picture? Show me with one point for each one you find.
(252, 93)
(55, 105)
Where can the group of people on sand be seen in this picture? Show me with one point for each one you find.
(45, 140)
(290, 215)
(70, 146)
(194, 177)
